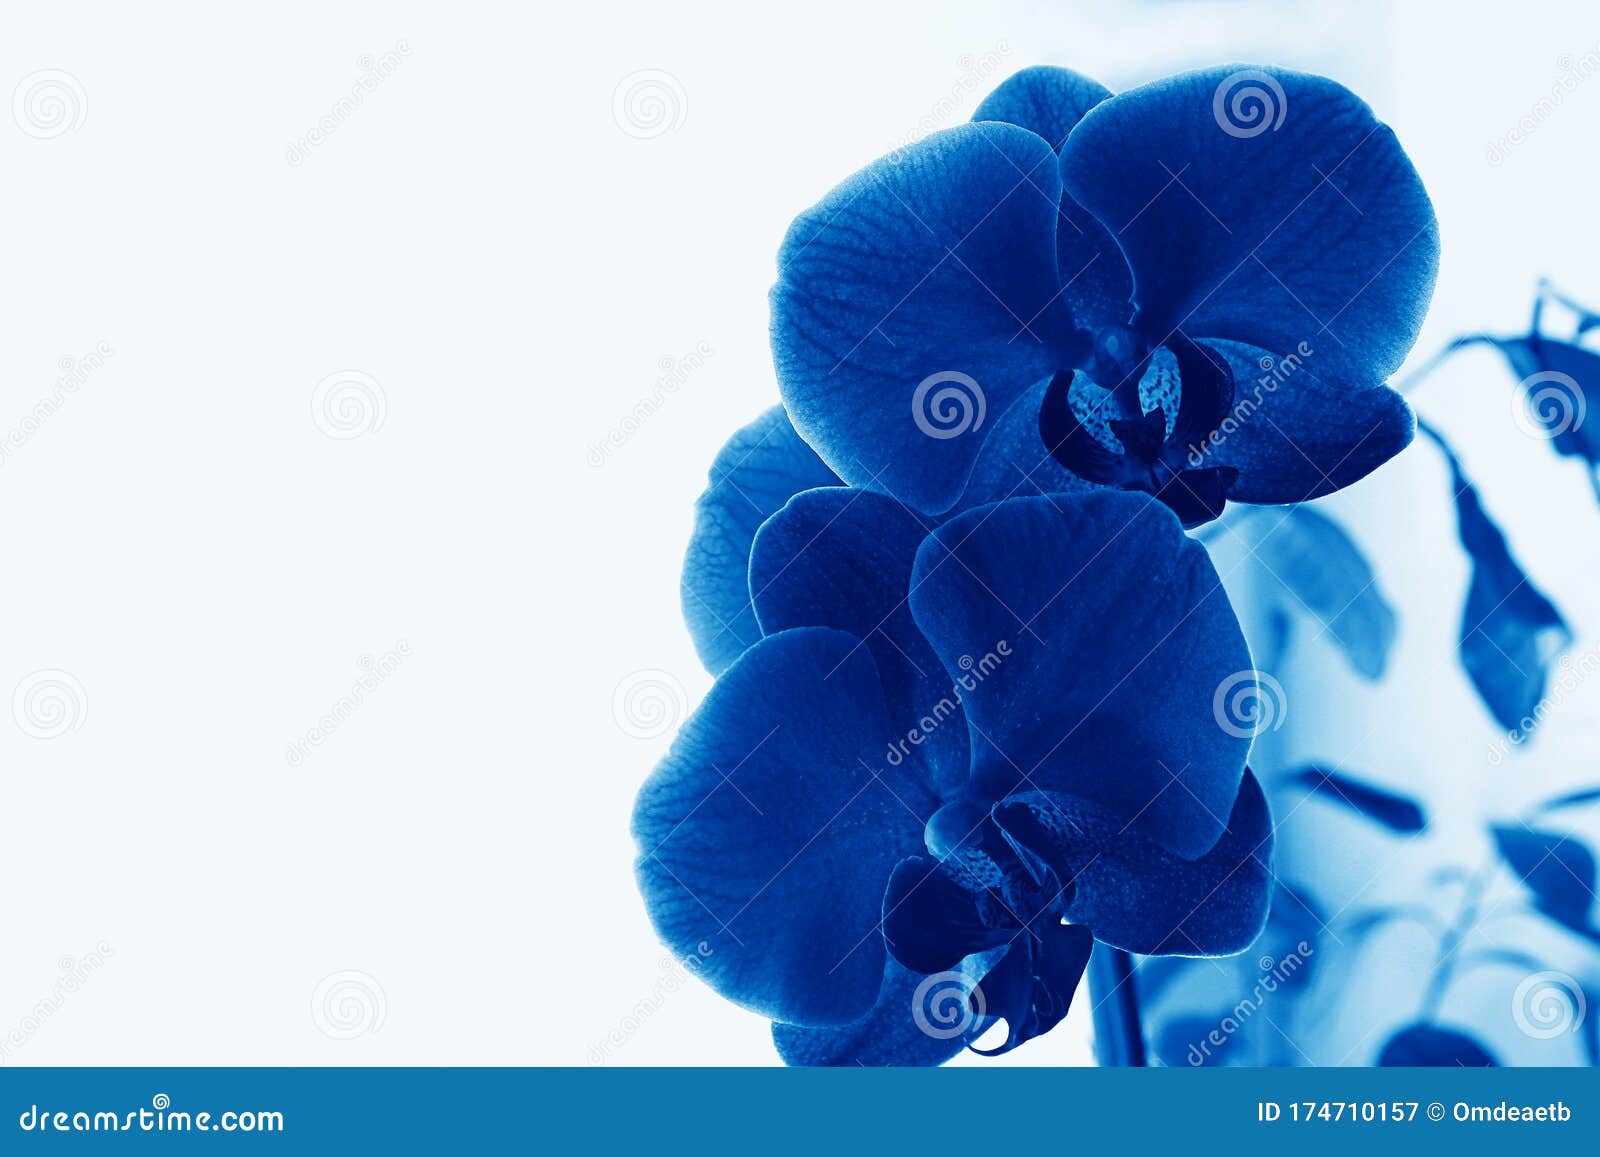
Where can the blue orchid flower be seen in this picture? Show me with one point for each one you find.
(958, 752)
(1196, 289)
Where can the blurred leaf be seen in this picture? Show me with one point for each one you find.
(1577, 923)
(1184, 1041)
(1155, 976)
(1293, 919)
(1570, 799)
(1559, 380)
(1558, 869)
(1428, 1045)
(1393, 811)
(1279, 632)
(1510, 633)
(1328, 577)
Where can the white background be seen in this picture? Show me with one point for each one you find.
(512, 261)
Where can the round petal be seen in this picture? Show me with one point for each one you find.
(1292, 437)
(763, 465)
(1049, 101)
(1116, 637)
(1264, 206)
(915, 300)
(842, 558)
(1136, 895)
(892, 1034)
(765, 834)
(1045, 100)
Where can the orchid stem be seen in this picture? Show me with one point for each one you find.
(1450, 944)
(1118, 1037)
(1431, 432)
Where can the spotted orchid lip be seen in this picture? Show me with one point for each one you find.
(1140, 438)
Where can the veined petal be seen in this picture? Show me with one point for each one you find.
(842, 558)
(765, 835)
(763, 465)
(1293, 437)
(1264, 206)
(916, 299)
(1045, 100)
(1117, 639)
(1050, 101)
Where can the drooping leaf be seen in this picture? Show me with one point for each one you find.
(1510, 632)
(1558, 869)
(1327, 577)
(1559, 381)
(1396, 812)
(1428, 1045)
